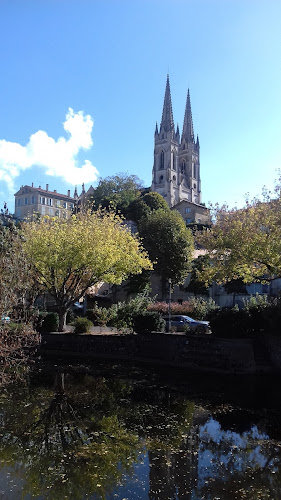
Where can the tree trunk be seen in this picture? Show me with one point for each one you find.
(62, 320)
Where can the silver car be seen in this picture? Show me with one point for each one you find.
(181, 323)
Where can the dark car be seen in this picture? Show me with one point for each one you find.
(182, 323)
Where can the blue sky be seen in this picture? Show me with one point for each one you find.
(82, 84)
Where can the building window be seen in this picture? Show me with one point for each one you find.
(187, 210)
(161, 178)
(42, 200)
(173, 160)
(64, 204)
(183, 167)
(187, 221)
(162, 159)
(174, 178)
(25, 201)
(33, 200)
(57, 213)
(49, 201)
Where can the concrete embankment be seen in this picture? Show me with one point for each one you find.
(206, 353)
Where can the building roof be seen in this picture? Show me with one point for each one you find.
(43, 191)
(190, 203)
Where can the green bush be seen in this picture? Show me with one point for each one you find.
(48, 322)
(123, 313)
(231, 323)
(70, 317)
(260, 315)
(148, 321)
(82, 325)
(100, 316)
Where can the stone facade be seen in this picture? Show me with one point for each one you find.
(176, 169)
(192, 212)
(30, 200)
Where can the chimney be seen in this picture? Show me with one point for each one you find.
(39, 187)
(55, 190)
(68, 193)
(47, 187)
(32, 184)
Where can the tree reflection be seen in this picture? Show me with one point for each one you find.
(84, 436)
(62, 446)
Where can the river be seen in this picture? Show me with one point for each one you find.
(122, 431)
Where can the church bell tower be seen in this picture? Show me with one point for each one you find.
(176, 168)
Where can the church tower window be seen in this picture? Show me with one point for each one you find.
(162, 160)
(173, 160)
(183, 167)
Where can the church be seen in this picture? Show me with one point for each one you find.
(176, 168)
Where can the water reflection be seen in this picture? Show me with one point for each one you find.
(130, 435)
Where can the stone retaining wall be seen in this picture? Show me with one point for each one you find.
(206, 353)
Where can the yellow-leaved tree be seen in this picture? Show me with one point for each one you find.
(244, 244)
(71, 255)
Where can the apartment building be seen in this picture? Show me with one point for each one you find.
(30, 200)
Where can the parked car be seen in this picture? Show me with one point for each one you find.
(185, 323)
(5, 319)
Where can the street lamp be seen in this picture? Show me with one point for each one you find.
(170, 297)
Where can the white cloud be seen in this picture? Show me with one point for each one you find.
(57, 158)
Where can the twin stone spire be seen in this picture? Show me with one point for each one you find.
(176, 167)
(167, 122)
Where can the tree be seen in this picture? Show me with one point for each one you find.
(116, 192)
(195, 285)
(16, 282)
(17, 294)
(169, 245)
(141, 207)
(71, 255)
(244, 244)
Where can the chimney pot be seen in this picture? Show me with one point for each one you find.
(32, 184)
(47, 187)
(68, 193)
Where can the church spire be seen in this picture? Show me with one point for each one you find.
(167, 122)
(187, 130)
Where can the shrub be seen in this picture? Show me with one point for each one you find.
(197, 307)
(123, 313)
(100, 316)
(231, 323)
(82, 325)
(148, 321)
(48, 322)
(70, 317)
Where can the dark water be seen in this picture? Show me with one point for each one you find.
(128, 432)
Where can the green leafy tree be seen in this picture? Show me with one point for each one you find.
(17, 294)
(169, 245)
(244, 244)
(143, 206)
(70, 255)
(17, 286)
(195, 285)
(116, 192)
